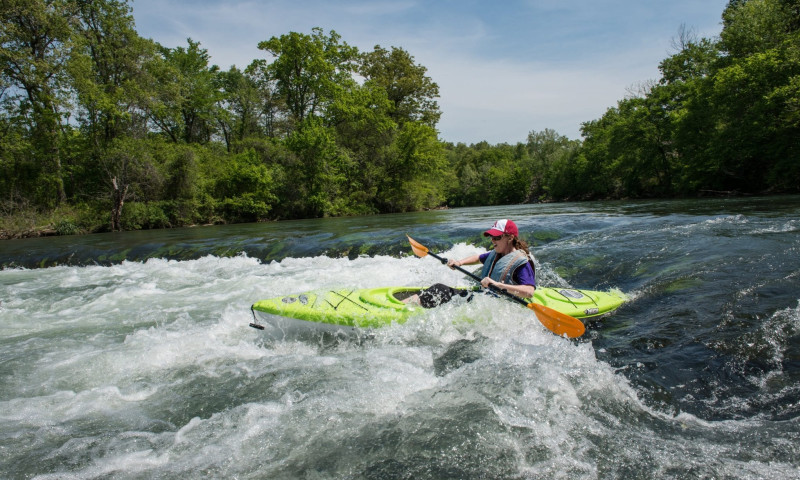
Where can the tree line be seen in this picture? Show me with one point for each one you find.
(101, 129)
(723, 118)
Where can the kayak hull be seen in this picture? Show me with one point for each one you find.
(349, 310)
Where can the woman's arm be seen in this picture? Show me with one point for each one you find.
(464, 261)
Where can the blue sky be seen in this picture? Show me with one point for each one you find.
(504, 68)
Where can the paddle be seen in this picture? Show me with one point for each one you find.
(555, 321)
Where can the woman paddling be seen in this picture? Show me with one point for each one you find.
(508, 266)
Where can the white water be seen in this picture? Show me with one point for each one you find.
(150, 370)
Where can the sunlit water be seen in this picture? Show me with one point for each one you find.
(130, 356)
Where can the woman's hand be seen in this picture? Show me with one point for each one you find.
(464, 261)
(522, 291)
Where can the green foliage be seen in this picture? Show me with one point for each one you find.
(101, 129)
(723, 117)
(240, 105)
(754, 26)
(242, 186)
(411, 93)
(318, 173)
(414, 170)
(309, 69)
(542, 169)
(66, 227)
(188, 109)
(145, 215)
(35, 41)
(106, 70)
(631, 144)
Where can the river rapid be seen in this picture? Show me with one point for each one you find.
(129, 355)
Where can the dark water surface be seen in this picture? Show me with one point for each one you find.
(129, 356)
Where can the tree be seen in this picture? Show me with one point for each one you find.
(415, 171)
(35, 45)
(753, 96)
(240, 106)
(366, 132)
(317, 176)
(186, 106)
(309, 69)
(130, 173)
(683, 95)
(695, 61)
(721, 118)
(18, 173)
(273, 112)
(791, 10)
(542, 150)
(106, 69)
(109, 85)
(753, 26)
(412, 93)
(242, 186)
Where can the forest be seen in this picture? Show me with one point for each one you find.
(103, 130)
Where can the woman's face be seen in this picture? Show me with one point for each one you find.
(502, 243)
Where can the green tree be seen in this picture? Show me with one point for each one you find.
(243, 187)
(309, 69)
(632, 144)
(465, 179)
(186, 107)
(366, 132)
(19, 174)
(753, 97)
(542, 150)
(35, 45)
(722, 117)
(272, 113)
(683, 93)
(754, 26)
(415, 171)
(413, 94)
(317, 172)
(750, 98)
(107, 73)
(595, 156)
(569, 176)
(109, 84)
(131, 173)
(240, 106)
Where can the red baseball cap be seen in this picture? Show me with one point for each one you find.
(502, 226)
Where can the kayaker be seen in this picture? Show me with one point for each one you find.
(508, 266)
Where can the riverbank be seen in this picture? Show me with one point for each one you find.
(18, 223)
(32, 233)
(81, 220)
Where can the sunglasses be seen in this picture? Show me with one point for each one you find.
(496, 238)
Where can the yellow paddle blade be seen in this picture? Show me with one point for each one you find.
(419, 249)
(557, 322)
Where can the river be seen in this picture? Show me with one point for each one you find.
(129, 355)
